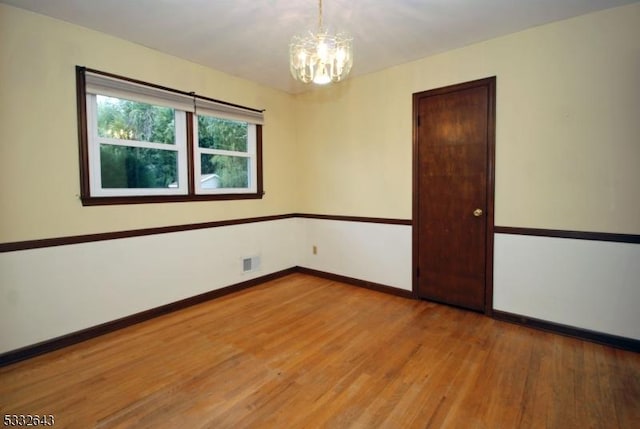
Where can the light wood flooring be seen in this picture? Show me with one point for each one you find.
(305, 352)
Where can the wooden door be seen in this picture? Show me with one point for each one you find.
(453, 194)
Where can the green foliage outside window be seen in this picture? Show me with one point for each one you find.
(223, 134)
(130, 120)
(135, 167)
(125, 167)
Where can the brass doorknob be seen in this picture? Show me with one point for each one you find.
(477, 212)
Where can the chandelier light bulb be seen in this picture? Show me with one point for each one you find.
(322, 49)
(322, 77)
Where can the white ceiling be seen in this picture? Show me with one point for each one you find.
(250, 38)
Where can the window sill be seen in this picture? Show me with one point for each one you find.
(153, 199)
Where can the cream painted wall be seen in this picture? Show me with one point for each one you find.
(567, 129)
(39, 177)
(568, 134)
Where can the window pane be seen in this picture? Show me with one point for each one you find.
(223, 134)
(222, 171)
(124, 119)
(134, 167)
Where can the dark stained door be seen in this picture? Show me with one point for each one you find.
(453, 199)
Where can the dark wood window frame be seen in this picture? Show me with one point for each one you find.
(83, 138)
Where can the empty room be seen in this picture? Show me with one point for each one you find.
(334, 213)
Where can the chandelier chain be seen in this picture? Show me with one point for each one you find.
(320, 16)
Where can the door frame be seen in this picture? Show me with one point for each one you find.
(490, 83)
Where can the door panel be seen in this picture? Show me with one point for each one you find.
(452, 171)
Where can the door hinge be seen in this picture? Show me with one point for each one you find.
(418, 120)
(417, 271)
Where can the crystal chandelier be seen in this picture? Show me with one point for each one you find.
(320, 57)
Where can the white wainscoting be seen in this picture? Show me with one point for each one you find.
(592, 285)
(374, 252)
(49, 292)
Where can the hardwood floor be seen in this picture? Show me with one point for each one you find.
(304, 352)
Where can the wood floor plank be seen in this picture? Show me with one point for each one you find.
(306, 352)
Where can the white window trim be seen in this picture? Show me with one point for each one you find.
(95, 176)
(251, 154)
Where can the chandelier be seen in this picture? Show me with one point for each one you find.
(320, 57)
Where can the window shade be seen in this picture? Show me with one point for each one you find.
(109, 85)
(226, 111)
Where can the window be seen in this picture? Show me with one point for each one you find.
(135, 148)
(224, 154)
(140, 143)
